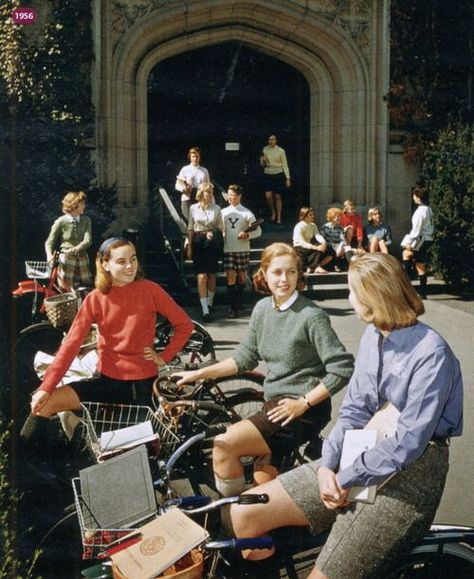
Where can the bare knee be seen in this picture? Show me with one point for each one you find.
(244, 521)
(317, 574)
(223, 451)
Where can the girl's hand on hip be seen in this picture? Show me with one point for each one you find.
(287, 410)
(38, 400)
(152, 356)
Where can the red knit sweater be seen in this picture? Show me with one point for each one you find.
(356, 221)
(126, 318)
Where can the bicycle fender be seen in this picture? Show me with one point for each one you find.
(28, 286)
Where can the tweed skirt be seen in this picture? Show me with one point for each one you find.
(367, 539)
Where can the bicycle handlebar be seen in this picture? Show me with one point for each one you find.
(211, 432)
(240, 544)
(193, 506)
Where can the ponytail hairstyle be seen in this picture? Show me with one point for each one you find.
(103, 279)
(269, 253)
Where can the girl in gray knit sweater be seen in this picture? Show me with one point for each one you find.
(306, 364)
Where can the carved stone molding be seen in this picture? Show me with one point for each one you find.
(353, 16)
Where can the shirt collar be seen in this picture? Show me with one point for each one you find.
(73, 219)
(286, 305)
(400, 336)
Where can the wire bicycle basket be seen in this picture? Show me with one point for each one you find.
(38, 269)
(99, 418)
(94, 539)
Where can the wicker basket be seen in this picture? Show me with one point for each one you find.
(61, 309)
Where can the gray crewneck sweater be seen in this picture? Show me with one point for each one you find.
(298, 346)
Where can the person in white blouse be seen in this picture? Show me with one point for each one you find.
(276, 176)
(189, 178)
(309, 243)
(417, 243)
(205, 244)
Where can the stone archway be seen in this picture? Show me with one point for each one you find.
(342, 52)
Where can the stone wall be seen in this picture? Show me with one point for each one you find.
(340, 47)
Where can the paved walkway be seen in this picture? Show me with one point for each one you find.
(454, 320)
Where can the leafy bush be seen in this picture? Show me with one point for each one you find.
(448, 175)
(10, 565)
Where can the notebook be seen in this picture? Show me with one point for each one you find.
(118, 493)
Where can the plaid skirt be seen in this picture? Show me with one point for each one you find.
(73, 270)
(238, 260)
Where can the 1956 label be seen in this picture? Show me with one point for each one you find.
(24, 15)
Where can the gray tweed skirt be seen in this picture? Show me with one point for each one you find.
(367, 539)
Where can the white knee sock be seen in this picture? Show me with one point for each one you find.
(210, 298)
(204, 305)
(229, 487)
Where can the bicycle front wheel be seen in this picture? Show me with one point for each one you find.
(42, 337)
(454, 561)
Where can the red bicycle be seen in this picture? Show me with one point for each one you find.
(30, 293)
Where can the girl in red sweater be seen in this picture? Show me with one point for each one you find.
(352, 224)
(124, 307)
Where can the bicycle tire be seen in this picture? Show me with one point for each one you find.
(28, 309)
(454, 561)
(200, 346)
(41, 336)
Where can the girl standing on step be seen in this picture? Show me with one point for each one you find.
(124, 306)
(276, 175)
(306, 365)
(205, 244)
(417, 243)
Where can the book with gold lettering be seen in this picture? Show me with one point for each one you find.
(162, 542)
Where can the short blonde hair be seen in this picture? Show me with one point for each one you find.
(348, 203)
(269, 253)
(383, 288)
(332, 213)
(371, 211)
(204, 187)
(72, 200)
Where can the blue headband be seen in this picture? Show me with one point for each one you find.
(108, 242)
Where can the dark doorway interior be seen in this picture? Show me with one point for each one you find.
(228, 93)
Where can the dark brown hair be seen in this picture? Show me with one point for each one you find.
(103, 279)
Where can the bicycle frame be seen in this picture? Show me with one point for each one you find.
(36, 288)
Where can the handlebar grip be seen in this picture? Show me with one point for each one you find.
(254, 543)
(241, 544)
(215, 430)
(253, 499)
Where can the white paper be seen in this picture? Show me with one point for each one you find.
(125, 437)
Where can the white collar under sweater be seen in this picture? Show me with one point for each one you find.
(286, 305)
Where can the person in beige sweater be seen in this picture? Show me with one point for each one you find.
(277, 178)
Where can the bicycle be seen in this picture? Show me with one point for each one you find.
(45, 337)
(445, 551)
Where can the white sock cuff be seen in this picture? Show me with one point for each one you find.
(210, 297)
(229, 487)
(204, 305)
